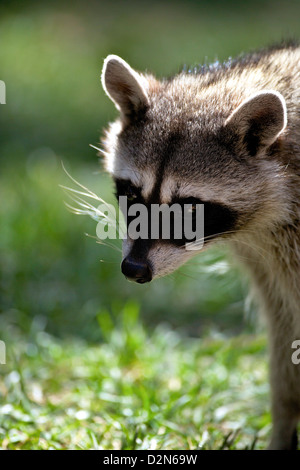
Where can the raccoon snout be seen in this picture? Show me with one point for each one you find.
(136, 270)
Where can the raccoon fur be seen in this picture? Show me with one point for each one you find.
(227, 136)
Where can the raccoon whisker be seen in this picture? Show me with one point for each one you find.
(101, 242)
(94, 216)
(120, 170)
(79, 184)
(170, 276)
(75, 210)
(108, 262)
(88, 209)
(208, 237)
(184, 274)
(91, 195)
(110, 245)
(260, 251)
(91, 236)
(83, 203)
(99, 171)
(106, 154)
(99, 150)
(237, 163)
(92, 211)
(72, 190)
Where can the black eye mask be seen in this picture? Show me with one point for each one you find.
(126, 188)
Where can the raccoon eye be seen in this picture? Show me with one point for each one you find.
(130, 194)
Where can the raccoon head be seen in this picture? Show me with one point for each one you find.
(193, 140)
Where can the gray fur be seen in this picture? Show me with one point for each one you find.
(228, 135)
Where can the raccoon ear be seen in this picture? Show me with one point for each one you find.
(258, 121)
(124, 86)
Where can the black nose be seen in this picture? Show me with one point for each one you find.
(134, 270)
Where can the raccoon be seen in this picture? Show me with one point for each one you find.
(226, 136)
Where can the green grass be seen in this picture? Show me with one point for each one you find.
(135, 390)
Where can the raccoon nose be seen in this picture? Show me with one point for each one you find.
(134, 270)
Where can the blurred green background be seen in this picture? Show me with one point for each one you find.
(53, 278)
